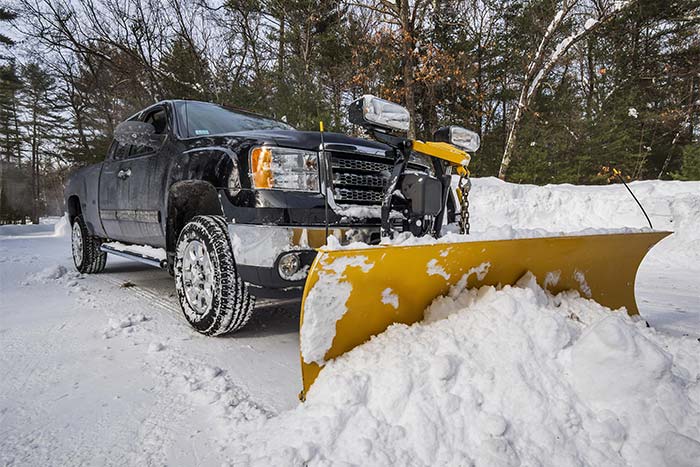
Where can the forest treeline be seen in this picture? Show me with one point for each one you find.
(560, 91)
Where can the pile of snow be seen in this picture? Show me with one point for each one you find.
(61, 227)
(509, 376)
(54, 272)
(497, 377)
(501, 210)
(124, 324)
(497, 206)
(47, 226)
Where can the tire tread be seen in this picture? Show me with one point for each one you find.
(94, 259)
(235, 305)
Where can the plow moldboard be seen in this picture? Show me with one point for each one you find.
(601, 267)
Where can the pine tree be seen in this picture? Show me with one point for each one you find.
(42, 124)
(10, 137)
(6, 15)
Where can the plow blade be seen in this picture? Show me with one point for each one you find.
(351, 295)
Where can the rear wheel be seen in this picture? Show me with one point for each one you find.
(87, 256)
(212, 295)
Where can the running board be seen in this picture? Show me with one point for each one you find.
(155, 262)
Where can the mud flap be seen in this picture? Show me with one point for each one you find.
(352, 295)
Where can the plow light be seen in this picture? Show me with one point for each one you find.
(373, 112)
(458, 136)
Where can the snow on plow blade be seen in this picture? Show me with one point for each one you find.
(351, 295)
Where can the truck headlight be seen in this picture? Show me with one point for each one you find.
(275, 168)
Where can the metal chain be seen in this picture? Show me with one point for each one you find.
(464, 186)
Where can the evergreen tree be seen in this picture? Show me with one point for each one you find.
(42, 124)
(6, 15)
(626, 96)
(10, 136)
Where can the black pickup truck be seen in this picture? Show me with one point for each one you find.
(239, 202)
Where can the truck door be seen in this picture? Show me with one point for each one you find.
(140, 220)
(113, 189)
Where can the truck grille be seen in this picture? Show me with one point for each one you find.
(351, 179)
(359, 165)
(359, 178)
(357, 196)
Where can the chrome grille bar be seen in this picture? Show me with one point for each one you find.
(358, 176)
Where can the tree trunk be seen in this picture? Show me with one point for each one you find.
(407, 44)
(540, 66)
(686, 121)
(280, 48)
(18, 139)
(512, 135)
(35, 171)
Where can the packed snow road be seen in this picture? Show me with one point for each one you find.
(103, 369)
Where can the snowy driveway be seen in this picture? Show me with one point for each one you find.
(103, 369)
(95, 372)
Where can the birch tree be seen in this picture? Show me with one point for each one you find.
(544, 60)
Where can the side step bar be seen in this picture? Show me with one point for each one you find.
(155, 262)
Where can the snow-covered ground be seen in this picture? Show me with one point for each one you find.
(102, 369)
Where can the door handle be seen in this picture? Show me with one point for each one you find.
(124, 174)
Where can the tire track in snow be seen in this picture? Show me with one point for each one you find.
(197, 390)
(171, 306)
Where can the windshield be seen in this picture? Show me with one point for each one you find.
(201, 119)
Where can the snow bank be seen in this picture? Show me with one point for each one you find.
(497, 377)
(497, 206)
(47, 226)
(515, 376)
(61, 228)
(501, 210)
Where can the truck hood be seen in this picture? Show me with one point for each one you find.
(310, 140)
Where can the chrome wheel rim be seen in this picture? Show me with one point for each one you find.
(77, 244)
(197, 277)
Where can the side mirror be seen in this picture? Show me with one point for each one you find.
(458, 136)
(372, 112)
(134, 133)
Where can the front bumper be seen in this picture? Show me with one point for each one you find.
(259, 248)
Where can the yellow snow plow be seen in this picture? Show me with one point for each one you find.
(352, 295)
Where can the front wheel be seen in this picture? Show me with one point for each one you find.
(212, 295)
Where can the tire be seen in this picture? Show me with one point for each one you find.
(171, 266)
(87, 256)
(212, 295)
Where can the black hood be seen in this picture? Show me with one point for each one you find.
(310, 140)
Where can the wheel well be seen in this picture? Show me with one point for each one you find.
(73, 205)
(186, 200)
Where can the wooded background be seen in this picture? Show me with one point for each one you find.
(560, 91)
